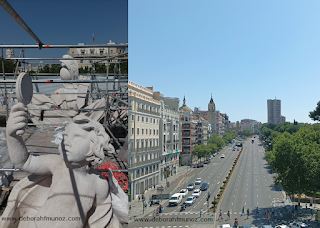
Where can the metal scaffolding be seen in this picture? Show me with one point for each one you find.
(115, 119)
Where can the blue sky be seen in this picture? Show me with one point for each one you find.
(243, 52)
(65, 22)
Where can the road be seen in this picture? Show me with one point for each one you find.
(214, 174)
(250, 186)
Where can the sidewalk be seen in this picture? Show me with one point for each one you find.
(137, 206)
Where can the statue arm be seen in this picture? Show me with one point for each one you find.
(18, 152)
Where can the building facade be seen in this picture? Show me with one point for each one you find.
(274, 111)
(189, 133)
(143, 140)
(95, 53)
(170, 137)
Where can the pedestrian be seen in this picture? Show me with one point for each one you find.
(281, 215)
(248, 213)
(268, 215)
(220, 215)
(158, 211)
(242, 211)
(142, 197)
(154, 186)
(264, 214)
(145, 204)
(273, 211)
(154, 214)
(139, 197)
(129, 208)
(257, 212)
(311, 212)
(201, 212)
(228, 215)
(306, 207)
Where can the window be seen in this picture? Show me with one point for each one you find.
(137, 131)
(186, 118)
(142, 131)
(150, 132)
(138, 118)
(154, 120)
(157, 132)
(132, 131)
(151, 120)
(142, 119)
(81, 61)
(111, 51)
(146, 119)
(150, 143)
(154, 131)
(91, 52)
(142, 146)
(101, 52)
(132, 117)
(164, 127)
(82, 52)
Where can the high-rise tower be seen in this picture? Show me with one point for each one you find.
(274, 111)
(212, 115)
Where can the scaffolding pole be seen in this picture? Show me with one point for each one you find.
(25, 46)
(18, 19)
(68, 81)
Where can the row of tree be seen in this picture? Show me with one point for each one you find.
(215, 143)
(295, 156)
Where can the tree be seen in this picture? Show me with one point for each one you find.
(315, 113)
(200, 151)
(9, 66)
(216, 139)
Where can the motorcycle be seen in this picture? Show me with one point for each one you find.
(183, 207)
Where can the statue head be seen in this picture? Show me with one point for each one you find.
(85, 139)
(69, 70)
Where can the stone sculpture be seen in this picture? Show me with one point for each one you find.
(71, 97)
(66, 187)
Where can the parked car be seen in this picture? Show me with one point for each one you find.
(233, 149)
(184, 192)
(198, 166)
(197, 193)
(223, 156)
(190, 187)
(265, 226)
(204, 186)
(298, 225)
(201, 164)
(198, 181)
(191, 200)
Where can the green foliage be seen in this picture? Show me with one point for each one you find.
(296, 158)
(229, 136)
(216, 139)
(313, 114)
(9, 66)
(246, 133)
(53, 68)
(86, 70)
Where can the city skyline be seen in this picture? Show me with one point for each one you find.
(64, 22)
(244, 53)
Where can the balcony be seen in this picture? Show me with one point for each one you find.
(148, 111)
(145, 163)
(146, 149)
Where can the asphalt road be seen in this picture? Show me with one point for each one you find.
(214, 174)
(250, 186)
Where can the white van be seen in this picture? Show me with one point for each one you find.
(175, 199)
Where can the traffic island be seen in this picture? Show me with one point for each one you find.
(218, 198)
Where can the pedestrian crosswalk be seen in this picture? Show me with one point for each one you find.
(178, 213)
(161, 226)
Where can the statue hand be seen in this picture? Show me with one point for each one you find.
(17, 120)
(119, 199)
